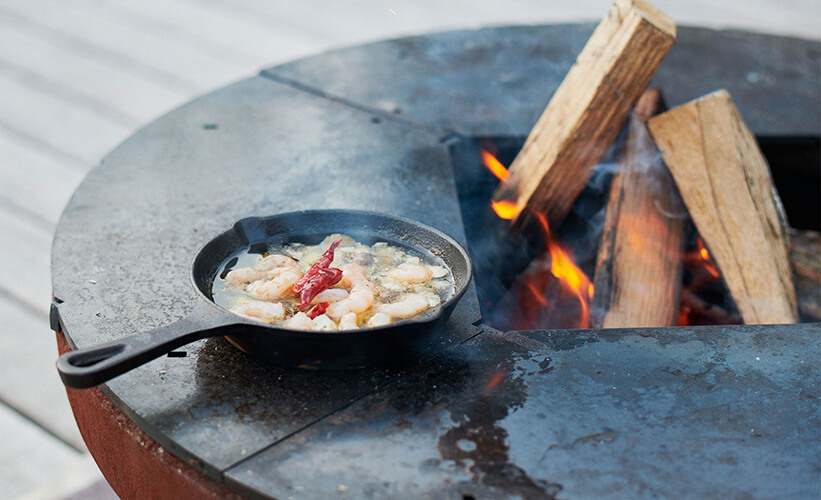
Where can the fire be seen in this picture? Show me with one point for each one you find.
(562, 267)
(705, 256)
(694, 309)
(495, 166)
(537, 294)
(568, 273)
(506, 209)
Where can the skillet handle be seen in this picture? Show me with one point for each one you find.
(85, 368)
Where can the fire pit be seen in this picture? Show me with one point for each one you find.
(694, 411)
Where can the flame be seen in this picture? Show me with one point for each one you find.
(537, 294)
(563, 268)
(694, 310)
(568, 273)
(494, 165)
(709, 265)
(506, 209)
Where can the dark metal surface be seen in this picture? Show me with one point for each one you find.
(123, 248)
(724, 412)
(362, 128)
(400, 342)
(497, 81)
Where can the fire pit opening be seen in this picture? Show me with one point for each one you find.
(541, 277)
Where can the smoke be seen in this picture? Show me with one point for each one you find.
(513, 268)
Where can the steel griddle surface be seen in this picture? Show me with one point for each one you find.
(677, 412)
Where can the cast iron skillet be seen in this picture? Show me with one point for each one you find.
(297, 348)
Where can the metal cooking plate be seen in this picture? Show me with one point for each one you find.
(717, 411)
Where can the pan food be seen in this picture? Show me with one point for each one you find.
(339, 284)
(261, 331)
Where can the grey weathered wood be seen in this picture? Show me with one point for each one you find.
(202, 69)
(218, 30)
(64, 125)
(30, 381)
(124, 89)
(24, 262)
(74, 40)
(332, 23)
(36, 181)
(78, 480)
(30, 457)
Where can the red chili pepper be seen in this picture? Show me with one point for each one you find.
(317, 310)
(318, 278)
(317, 282)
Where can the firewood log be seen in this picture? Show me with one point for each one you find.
(639, 264)
(725, 183)
(587, 111)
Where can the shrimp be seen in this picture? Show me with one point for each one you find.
(265, 311)
(267, 267)
(281, 284)
(354, 274)
(360, 298)
(330, 295)
(379, 319)
(243, 276)
(410, 305)
(411, 273)
(348, 322)
(274, 261)
(323, 322)
(300, 321)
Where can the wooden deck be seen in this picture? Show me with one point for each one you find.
(78, 77)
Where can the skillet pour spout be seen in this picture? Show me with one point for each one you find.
(308, 349)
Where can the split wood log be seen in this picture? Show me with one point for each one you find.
(639, 264)
(805, 256)
(725, 183)
(587, 111)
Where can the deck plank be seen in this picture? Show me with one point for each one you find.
(79, 43)
(24, 262)
(203, 28)
(35, 181)
(123, 89)
(324, 23)
(65, 125)
(31, 384)
(30, 457)
(201, 70)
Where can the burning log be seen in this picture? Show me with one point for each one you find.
(587, 111)
(726, 185)
(639, 264)
(805, 256)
